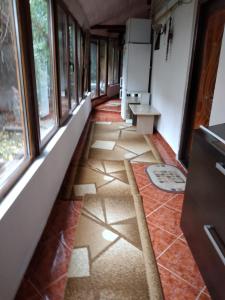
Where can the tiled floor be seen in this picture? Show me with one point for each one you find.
(179, 274)
(47, 273)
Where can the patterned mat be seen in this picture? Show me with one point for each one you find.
(108, 258)
(166, 177)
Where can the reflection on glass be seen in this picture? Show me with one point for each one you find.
(80, 61)
(41, 32)
(12, 131)
(111, 62)
(72, 63)
(94, 69)
(102, 83)
(62, 39)
(116, 66)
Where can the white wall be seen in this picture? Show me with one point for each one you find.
(218, 107)
(169, 78)
(25, 210)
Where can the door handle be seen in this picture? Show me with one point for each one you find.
(216, 241)
(220, 166)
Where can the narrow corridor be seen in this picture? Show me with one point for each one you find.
(101, 229)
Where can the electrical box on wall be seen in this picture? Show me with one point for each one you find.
(138, 31)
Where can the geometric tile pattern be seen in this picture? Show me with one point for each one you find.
(46, 275)
(110, 232)
(108, 225)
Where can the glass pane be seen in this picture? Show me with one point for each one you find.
(72, 63)
(111, 62)
(102, 83)
(42, 42)
(116, 66)
(94, 71)
(80, 61)
(62, 38)
(12, 131)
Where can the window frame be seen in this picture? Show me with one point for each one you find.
(29, 114)
(62, 118)
(115, 47)
(51, 133)
(75, 64)
(106, 66)
(98, 39)
(25, 65)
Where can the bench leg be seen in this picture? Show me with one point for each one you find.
(145, 124)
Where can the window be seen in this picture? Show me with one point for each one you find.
(42, 47)
(14, 148)
(72, 63)
(80, 62)
(103, 62)
(113, 64)
(110, 62)
(94, 69)
(116, 65)
(63, 63)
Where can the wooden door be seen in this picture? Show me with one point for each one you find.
(204, 66)
(211, 55)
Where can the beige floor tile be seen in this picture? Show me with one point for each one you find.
(147, 157)
(79, 264)
(90, 233)
(115, 188)
(104, 145)
(83, 189)
(114, 166)
(89, 176)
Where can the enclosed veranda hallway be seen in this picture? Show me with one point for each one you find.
(92, 245)
(112, 149)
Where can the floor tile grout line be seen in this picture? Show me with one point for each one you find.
(157, 226)
(178, 276)
(143, 187)
(168, 247)
(199, 294)
(34, 287)
(159, 206)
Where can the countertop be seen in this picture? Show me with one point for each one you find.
(144, 110)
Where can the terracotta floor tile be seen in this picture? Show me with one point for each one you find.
(204, 296)
(179, 260)
(63, 216)
(167, 219)
(27, 291)
(56, 290)
(175, 288)
(176, 202)
(150, 205)
(49, 263)
(142, 180)
(67, 237)
(205, 291)
(160, 239)
(156, 194)
(140, 168)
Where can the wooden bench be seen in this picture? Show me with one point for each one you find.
(145, 117)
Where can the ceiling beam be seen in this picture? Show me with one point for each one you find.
(110, 28)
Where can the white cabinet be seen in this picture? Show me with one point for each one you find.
(136, 62)
(138, 31)
(138, 66)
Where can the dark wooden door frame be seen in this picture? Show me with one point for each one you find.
(204, 7)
